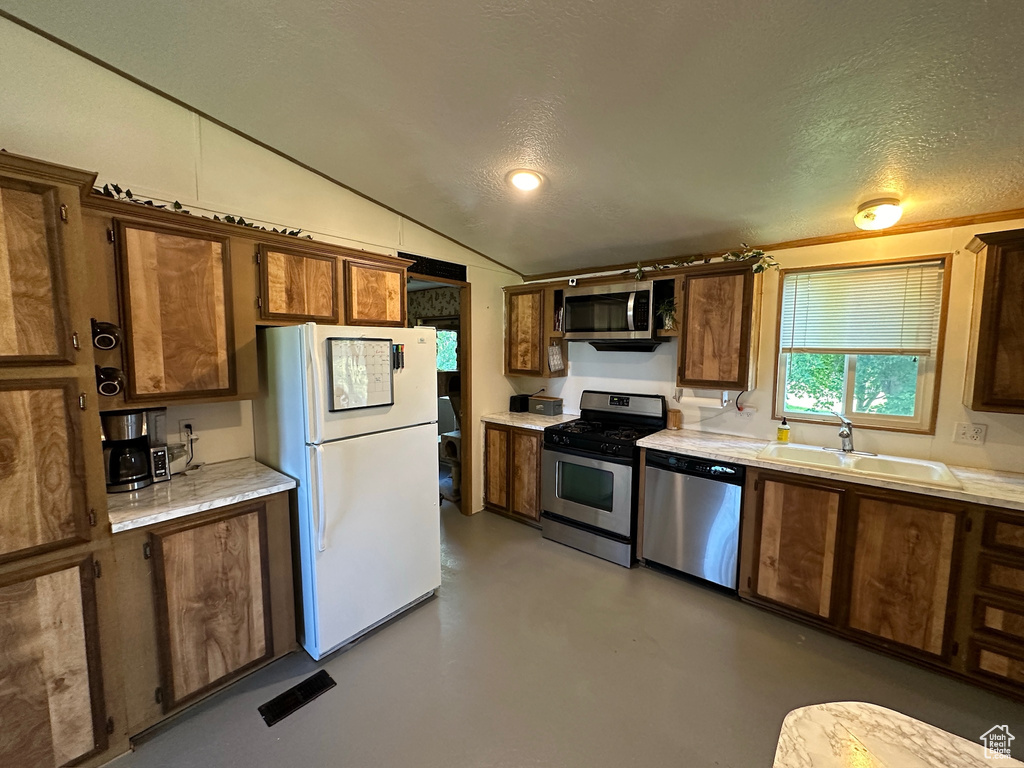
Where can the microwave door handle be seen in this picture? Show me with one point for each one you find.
(629, 311)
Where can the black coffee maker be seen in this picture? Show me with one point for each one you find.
(125, 451)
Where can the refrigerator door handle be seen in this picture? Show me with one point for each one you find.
(319, 507)
(313, 371)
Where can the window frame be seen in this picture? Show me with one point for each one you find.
(925, 425)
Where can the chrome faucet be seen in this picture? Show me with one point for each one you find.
(845, 432)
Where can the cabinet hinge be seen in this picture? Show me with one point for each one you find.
(757, 484)
(64, 213)
(110, 726)
(110, 235)
(750, 583)
(92, 518)
(158, 695)
(257, 257)
(147, 551)
(82, 402)
(955, 648)
(259, 302)
(97, 569)
(969, 524)
(74, 341)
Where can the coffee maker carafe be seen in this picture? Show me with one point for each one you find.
(125, 451)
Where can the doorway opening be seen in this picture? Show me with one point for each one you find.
(445, 305)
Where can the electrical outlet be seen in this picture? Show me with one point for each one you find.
(969, 434)
(183, 430)
(748, 411)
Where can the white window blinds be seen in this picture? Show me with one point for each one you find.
(889, 309)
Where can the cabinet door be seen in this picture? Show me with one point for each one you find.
(42, 480)
(902, 563)
(175, 290)
(295, 285)
(496, 463)
(524, 334)
(714, 345)
(525, 472)
(34, 320)
(999, 381)
(51, 697)
(374, 294)
(213, 602)
(796, 558)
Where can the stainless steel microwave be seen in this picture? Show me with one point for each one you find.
(616, 311)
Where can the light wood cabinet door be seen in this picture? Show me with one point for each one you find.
(34, 321)
(714, 344)
(213, 602)
(903, 556)
(51, 697)
(42, 477)
(175, 290)
(497, 439)
(525, 472)
(374, 294)
(797, 545)
(296, 285)
(524, 333)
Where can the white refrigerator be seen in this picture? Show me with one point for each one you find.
(369, 539)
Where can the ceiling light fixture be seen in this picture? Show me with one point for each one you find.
(525, 180)
(878, 214)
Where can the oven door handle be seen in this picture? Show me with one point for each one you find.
(629, 311)
(589, 455)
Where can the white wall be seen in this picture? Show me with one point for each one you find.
(59, 107)
(655, 372)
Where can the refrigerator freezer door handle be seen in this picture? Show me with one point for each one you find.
(319, 508)
(313, 371)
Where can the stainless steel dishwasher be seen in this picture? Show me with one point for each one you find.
(692, 516)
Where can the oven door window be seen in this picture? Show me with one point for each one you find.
(588, 486)
(607, 312)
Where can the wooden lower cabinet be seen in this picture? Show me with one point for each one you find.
(512, 468)
(904, 567)
(204, 600)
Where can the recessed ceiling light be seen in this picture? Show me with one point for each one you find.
(878, 214)
(525, 180)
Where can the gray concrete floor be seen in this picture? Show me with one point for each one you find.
(534, 654)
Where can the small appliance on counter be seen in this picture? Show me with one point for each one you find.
(134, 449)
(548, 406)
(521, 403)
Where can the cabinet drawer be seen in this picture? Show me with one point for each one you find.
(992, 661)
(1001, 575)
(1004, 532)
(1000, 619)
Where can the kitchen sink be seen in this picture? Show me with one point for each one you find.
(886, 467)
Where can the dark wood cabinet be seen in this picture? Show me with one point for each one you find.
(375, 294)
(297, 285)
(904, 572)
(995, 366)
(796, 544)
(176, 307)
(716, 314)
(512, 469)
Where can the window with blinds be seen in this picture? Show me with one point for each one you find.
(889, 309)
(863, 341)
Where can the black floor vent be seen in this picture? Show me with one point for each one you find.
(279, 707)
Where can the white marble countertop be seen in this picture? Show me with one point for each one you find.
(528, 420)
(209, 487)
(851, 734)
(980, 486)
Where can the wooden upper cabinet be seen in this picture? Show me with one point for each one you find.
(51, 704)
(213, 601)
(175, 290)
(995, 374)
(374, 294)
(716, 314)
(903, 560)
(298, 285)
(524, 333)
(496, 462)
(42, 480)
(35, 326)
(797, 545)
(525, 471)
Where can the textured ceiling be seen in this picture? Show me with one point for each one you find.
(663, 127)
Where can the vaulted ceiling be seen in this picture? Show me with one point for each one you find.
(663, 127)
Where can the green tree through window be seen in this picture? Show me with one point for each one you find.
(447, 350)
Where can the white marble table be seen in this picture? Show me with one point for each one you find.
(852, 734)
(209, 487)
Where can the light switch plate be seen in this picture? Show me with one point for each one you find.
(969, 434)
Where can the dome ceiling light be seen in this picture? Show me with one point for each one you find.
(525, 180)
(878, 214)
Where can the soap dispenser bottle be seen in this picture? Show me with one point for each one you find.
(782, 434)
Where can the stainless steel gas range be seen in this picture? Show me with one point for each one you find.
(591, 472)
